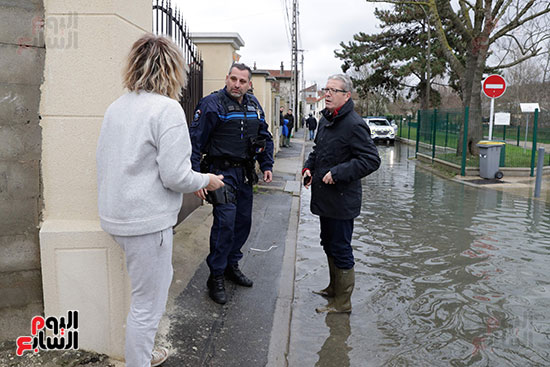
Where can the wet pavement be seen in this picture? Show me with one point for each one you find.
(446, 274)
(239, 333)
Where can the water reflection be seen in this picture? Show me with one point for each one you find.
(446, 275)
(335, 350)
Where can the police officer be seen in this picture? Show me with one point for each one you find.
(229, 134)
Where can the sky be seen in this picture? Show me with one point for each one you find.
(323, 24)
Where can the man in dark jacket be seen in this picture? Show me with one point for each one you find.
(311, 124)
(343, 154)
(290, 117)
(281, 124)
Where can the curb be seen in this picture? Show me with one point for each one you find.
(280, 332)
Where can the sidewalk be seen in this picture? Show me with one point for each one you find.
(252, 328)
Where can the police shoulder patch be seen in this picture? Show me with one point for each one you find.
(197, 115)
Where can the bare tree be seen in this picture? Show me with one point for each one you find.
(480, 24)
(371, 102)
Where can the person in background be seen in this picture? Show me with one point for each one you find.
(290, 117)
(143, 166)
(282, 142)
(311, 124)
(343, 154)
(229, 135)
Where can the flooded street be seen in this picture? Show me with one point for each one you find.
(446, 275)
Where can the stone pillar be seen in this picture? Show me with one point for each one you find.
(82, 267)
(261, 82)
(218, 50)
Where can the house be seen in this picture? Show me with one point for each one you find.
(282, 84)
(314, 101)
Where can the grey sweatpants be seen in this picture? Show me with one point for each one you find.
(149, 264)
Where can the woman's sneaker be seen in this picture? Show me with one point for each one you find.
(158, 356)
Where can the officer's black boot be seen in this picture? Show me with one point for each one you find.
(216, 289)
(233, 273)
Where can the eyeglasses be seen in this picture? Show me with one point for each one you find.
(332, 90)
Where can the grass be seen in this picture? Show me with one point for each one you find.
(514, 156)
(452, 138)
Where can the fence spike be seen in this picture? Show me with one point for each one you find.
(175, 22)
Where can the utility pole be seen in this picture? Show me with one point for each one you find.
(294, 67)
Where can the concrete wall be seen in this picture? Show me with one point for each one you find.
(21, 72)
(262, 91)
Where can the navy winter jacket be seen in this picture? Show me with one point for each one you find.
(344, 147)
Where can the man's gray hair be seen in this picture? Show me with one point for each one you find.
(348, 85)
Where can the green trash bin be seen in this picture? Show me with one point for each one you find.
(489, 159)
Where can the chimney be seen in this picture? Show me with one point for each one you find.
(282, 67)
(254, 65)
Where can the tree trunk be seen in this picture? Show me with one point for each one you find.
(475, 129)
(471, 87)
(466, 81)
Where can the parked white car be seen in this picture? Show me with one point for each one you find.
(380, 129)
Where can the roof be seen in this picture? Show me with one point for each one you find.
(311, 88)
(277, 73)
(314, 100)
(260, 72)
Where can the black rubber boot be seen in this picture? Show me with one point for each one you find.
(233, 273)
(216, 289)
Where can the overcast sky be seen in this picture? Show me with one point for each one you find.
(262, 26)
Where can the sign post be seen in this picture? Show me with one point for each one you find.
(527, 108)
(494, 86)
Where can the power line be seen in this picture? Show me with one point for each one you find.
(298, 26)
(288, 28)
(294, 68)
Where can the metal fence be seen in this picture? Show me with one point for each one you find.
(168, 21)
(439, 137)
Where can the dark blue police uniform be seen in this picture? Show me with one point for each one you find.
(225, 131)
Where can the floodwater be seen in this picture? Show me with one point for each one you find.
(446, 275)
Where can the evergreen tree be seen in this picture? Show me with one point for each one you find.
(398, 56)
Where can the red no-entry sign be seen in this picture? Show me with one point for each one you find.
(494, 86)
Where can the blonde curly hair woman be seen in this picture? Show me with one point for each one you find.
(143, 167)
